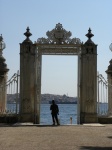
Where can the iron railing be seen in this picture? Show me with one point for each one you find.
(12, 90)
(102, 96)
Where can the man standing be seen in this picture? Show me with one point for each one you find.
(54, 112)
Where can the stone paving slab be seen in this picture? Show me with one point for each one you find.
(31, 124)
(94, 124)
(68, 137)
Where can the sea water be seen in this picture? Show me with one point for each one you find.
(66, 112)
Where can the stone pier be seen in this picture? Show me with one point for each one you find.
(3, 78)
(88, 81)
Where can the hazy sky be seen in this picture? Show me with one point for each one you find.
(59, 73)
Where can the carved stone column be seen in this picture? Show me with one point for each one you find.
(109, 78)
(88, 81)
(28, 85)
(3, 77)
(38, 81)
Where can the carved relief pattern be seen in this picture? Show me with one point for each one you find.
(60, 51)
(58, 36)
(26, 105)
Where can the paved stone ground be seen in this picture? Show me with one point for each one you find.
(74, 137)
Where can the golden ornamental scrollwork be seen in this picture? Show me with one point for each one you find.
(58, 36)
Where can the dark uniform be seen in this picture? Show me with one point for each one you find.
(54, 112)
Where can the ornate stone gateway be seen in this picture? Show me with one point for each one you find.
(58, 42)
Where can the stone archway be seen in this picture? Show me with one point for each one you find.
(58, 42)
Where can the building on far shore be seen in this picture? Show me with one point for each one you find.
(45, 98)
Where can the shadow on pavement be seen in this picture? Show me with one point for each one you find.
(26, 125)
(95, 148)
(110, 137)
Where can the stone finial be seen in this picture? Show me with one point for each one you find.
(109, 70)
(1, 38)
(2, 44)
(110, 47)
(27, 34)
(89, 35)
